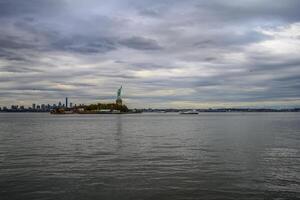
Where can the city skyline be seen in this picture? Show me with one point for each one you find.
(166, 54)
(41, 106)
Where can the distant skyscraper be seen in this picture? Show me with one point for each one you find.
(59, 104)
(33, 106)
(71, 104)
(66, 102)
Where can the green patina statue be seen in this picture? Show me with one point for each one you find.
(119, 93)
(119, 100)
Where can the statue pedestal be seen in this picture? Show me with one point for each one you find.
(119, 102)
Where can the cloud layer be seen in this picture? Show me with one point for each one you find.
(165, 53)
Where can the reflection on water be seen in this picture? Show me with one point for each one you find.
(150, 156)
(118, 137)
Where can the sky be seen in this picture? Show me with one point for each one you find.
(165, 53)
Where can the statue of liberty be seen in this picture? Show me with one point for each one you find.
(119, 99)
(119, 93)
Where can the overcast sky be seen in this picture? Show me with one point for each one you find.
(165, 53)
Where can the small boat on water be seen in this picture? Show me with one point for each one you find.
(189, 112)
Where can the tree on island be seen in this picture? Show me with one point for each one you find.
(109, 106)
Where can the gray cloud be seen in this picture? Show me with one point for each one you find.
(249, 10)
(12, 8)
(141, 43)
(228, 39)
(84, 45)
(162, 51)
(19, 69)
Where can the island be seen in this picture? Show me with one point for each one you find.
(100, 108)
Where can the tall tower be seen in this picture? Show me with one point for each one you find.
(119, 99)
(66, 102)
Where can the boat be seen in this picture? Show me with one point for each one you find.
(189, 112)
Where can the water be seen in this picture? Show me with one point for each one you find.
(150, 156)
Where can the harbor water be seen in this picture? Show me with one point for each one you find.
(150, 156)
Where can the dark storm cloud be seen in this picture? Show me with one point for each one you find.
(162, 51)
